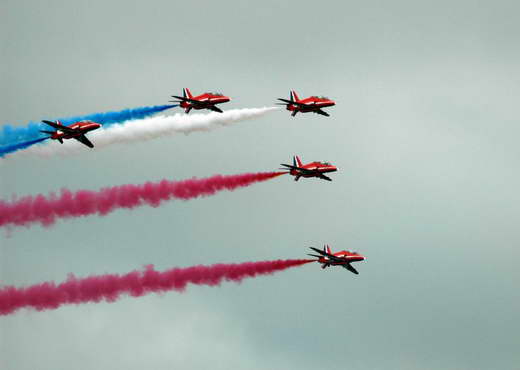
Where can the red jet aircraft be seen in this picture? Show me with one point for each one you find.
(77, 131)
(311, 104)
(342, 258)
(203, 101)
(313, 169)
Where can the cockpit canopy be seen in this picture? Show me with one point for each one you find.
(215, 93)
(321, 97)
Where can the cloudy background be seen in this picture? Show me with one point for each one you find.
(425, 133)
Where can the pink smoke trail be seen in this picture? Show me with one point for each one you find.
(109, 287)
(45, 210)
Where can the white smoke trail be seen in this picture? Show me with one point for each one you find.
(146, 129)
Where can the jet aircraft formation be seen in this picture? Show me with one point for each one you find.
(209, 101)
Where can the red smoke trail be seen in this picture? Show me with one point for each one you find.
(110, 287)
(46, 210)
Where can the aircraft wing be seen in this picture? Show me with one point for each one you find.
(296, 103)
(304, 170)
(329, 256)
(323, 177)
(349, 267)
(186, 99)
(83, 140)
(319, 251)
(323, 253)
(57, 126)
(181, 98)
(215, 109)
(323, 113)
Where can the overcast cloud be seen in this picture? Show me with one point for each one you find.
(425, 133)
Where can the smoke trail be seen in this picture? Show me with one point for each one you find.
(45, 210)
(12, 134)
(13, 148)
(110, 287)
(151, 128)
(109, 118)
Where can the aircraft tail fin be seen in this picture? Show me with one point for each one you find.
(57, 124)
(294, 96)
(187, 93)
(297, 161)
(326, 249)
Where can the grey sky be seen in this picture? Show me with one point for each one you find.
(425, 134)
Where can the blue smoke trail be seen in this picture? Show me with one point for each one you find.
(12, 134)
(13, 148)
